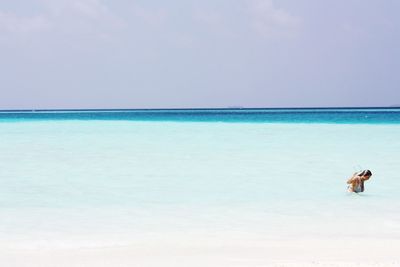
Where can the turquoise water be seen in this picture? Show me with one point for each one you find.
(300, 115)
(89, 179)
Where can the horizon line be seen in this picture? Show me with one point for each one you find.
(202, 108)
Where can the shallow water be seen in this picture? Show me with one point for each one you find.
(91, 182)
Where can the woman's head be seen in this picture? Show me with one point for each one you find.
(366, 174)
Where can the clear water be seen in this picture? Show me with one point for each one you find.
(110, 178)
(305, 115)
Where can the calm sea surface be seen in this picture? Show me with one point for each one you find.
(95, 178)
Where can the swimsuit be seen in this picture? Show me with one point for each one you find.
(357, 188)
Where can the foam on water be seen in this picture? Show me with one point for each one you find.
(92, 182)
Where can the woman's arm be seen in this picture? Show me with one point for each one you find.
(352, 179)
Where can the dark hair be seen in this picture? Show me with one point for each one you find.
(365, 172)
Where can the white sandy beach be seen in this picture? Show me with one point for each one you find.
(192, 251)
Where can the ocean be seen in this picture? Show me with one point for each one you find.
(109, 178)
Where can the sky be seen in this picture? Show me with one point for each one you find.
(61, 54)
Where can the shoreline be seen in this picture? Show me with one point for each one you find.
(181, 251)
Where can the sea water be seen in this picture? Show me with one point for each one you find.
(103, 178)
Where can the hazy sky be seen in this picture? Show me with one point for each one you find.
(205, 53)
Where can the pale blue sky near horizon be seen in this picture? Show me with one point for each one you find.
(182, 54)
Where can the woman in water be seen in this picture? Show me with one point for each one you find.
(356, 182)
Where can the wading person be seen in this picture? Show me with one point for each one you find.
(356, 182)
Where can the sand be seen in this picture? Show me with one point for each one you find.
(186, 251)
